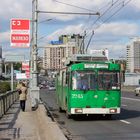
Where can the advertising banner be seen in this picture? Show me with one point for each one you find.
(20, 33)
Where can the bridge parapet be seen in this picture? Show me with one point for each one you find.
(6, 100)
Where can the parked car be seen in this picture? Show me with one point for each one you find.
(51, 87)
(137, 91)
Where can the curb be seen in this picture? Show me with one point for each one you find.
(48, 130)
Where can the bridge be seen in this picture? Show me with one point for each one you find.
(28, 125)
(38, 125)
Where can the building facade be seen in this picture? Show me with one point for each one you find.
(133, 56)
(77, 39)
(56, 54)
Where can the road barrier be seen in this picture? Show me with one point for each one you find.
(6, 100)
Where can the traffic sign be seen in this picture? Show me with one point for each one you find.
(20, 33)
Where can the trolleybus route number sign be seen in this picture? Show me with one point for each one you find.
(77, 95)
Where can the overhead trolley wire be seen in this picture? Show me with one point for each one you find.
(101, 15)
(108, 9)
(73, 6)
(123, 4)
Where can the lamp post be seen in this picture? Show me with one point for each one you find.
(34, 89)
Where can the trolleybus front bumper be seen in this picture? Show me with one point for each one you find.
(95, 110)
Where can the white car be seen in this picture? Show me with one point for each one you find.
(137, 91)
(51, 88)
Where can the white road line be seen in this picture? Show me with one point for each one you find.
(123, 105)
(131, 99)
(125, 122)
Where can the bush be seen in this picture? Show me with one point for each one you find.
(4, 87)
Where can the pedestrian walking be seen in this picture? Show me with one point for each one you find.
(23, 96)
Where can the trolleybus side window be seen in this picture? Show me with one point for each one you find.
(108, 80)
(64, 79)
(67, 78)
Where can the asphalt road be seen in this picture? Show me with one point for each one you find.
(125, 126)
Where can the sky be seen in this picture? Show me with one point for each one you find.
(117, 25)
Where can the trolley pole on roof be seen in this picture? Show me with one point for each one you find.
(34, 89)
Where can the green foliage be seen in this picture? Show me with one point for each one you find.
(4, 87)
(17, 66)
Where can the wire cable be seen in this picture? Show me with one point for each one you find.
(123, 4)
(108, 9)
(73, 6)
(99, 17)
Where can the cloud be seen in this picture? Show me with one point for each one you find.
(5, 37)
(118, 29)
(14, 51)
(72, 29)
(15, 9)
(121, 26)
(106, 32)
(110, 35)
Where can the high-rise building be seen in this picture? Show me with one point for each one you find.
(55, 55)
(57, 52)
(75, 38)
(133, 56)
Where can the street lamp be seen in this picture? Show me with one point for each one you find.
(34, 89)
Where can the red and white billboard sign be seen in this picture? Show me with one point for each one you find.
(27, 74)
(25, 66)
(20, 33)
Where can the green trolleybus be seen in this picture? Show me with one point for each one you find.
(89, 85)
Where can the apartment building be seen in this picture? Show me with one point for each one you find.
(57, 52)
(55, 55)
(133, 56)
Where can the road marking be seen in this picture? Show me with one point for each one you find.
(131, 99)
(125, 122)
(123, 105)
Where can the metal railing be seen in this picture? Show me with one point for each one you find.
(6, 100)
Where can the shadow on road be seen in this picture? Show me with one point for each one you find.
(9, 119)
(127, 114)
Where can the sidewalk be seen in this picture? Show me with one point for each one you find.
(16, 124)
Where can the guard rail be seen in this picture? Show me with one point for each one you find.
(6, 100)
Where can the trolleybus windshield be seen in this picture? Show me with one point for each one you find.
(108, 80)
(87, 80)
(83, 80)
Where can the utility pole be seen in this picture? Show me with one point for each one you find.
(34, 89)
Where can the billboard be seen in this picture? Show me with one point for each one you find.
(20, 33)
(26, 67)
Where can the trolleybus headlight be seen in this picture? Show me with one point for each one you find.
(78, 110)
(113, 110)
